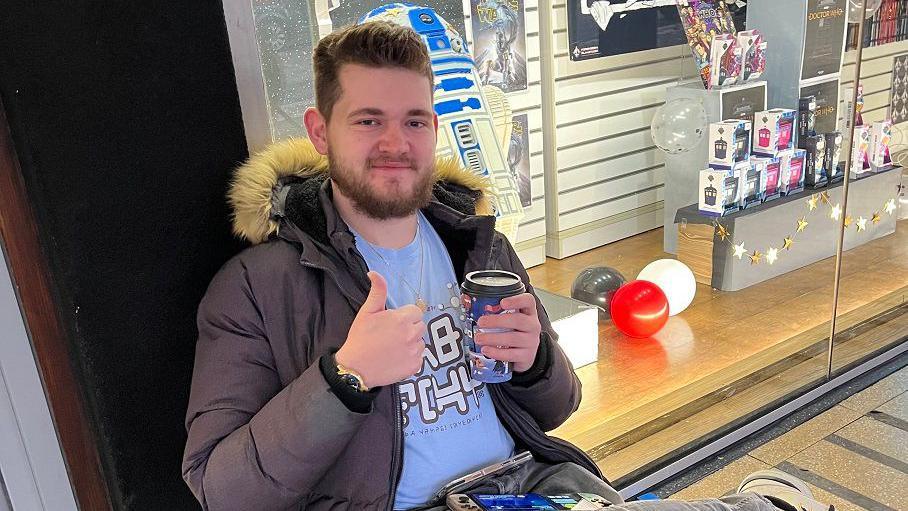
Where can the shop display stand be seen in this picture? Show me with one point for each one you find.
(758, 228)
(682, 171)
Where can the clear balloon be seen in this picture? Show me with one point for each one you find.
(675, 279)
(596, 285)
(854, 9)
(679, 125)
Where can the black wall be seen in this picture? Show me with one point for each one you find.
(127, 124)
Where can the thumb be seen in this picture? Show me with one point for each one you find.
(378, 294)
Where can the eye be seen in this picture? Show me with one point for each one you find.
(367, 122)
(418, 124)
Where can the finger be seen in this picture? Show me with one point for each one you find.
(378, 294)
(409, 313)
(506, 354)
(507, 340)
(525, 303)
(521, 322)
(416, 332)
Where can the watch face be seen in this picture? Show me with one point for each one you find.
(351, 381)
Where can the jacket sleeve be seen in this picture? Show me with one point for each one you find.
(552, 397)
(253, 443)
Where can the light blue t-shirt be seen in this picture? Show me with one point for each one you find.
(444, 410)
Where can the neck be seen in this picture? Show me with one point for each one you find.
(392, 233)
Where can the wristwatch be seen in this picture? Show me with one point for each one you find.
(351, 378)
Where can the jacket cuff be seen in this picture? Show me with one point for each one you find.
(538, 369)
(357, 402)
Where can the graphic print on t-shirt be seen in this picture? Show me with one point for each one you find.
(444, 355)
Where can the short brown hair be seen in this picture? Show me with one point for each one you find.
(372, 44)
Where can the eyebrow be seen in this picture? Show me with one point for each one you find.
(417, 112)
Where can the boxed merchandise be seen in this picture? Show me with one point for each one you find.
(880, 138)
(724, 60)
(774, 131)
(719, 191)
(791, 175)
(860, 150)
(833, 156)
(729, 143)
(769, 178)
(752, 184)
(814, 161)
(807, 115)
(753, 54)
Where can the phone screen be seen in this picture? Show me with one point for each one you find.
(528, 502)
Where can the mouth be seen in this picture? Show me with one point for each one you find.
(391, 166)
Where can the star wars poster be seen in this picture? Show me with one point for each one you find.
(599, 28)
(519, 158)
(898, 106)
(499, 43)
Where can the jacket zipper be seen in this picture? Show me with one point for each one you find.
(397, 459)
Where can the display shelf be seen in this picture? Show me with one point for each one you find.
(766, 226)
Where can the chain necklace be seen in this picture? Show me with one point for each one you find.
(419, 302)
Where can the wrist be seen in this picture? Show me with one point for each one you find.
(349, 374)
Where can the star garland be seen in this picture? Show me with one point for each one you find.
(772, 254)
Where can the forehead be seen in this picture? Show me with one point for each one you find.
(383, 88)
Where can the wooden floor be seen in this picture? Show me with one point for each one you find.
(704, 356)
(852, 456)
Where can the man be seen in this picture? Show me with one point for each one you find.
(329, 370)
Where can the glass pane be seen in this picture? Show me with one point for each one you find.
(872, 311)
(285, 31)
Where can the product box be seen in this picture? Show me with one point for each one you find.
(833, 156)
(771, 172)
(860, 150)
(719, 191)
(729, 143)
(724, 61)
(753, 54)
(880, 138)
(791, 178)
(752, 182)
(774, 131)
(807, 115)
(814, 161)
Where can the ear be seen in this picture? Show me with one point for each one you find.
(435, 121)
(317, 128)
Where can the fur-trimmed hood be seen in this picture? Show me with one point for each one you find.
(282, 182)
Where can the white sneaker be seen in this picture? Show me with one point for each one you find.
(785, 487)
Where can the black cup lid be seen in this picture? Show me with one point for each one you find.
(492, 283)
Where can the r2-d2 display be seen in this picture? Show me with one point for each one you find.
(466, 127)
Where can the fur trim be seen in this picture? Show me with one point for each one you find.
(255, 182)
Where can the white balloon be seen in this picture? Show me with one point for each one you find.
(676, 281)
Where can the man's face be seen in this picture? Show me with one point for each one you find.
(380, 140)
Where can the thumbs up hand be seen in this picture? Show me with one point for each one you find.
(383, 346)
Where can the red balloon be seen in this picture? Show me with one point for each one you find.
(639, 308)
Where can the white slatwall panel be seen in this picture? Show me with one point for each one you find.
(532, 231)
(609, 176)
(876, 75)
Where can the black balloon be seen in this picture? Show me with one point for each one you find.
(596, 285)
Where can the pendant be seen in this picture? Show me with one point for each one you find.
(421, 304)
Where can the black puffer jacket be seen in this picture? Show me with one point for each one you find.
(265, 430)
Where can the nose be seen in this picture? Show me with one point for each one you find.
(393, 140)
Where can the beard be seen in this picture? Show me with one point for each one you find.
(395, 202)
